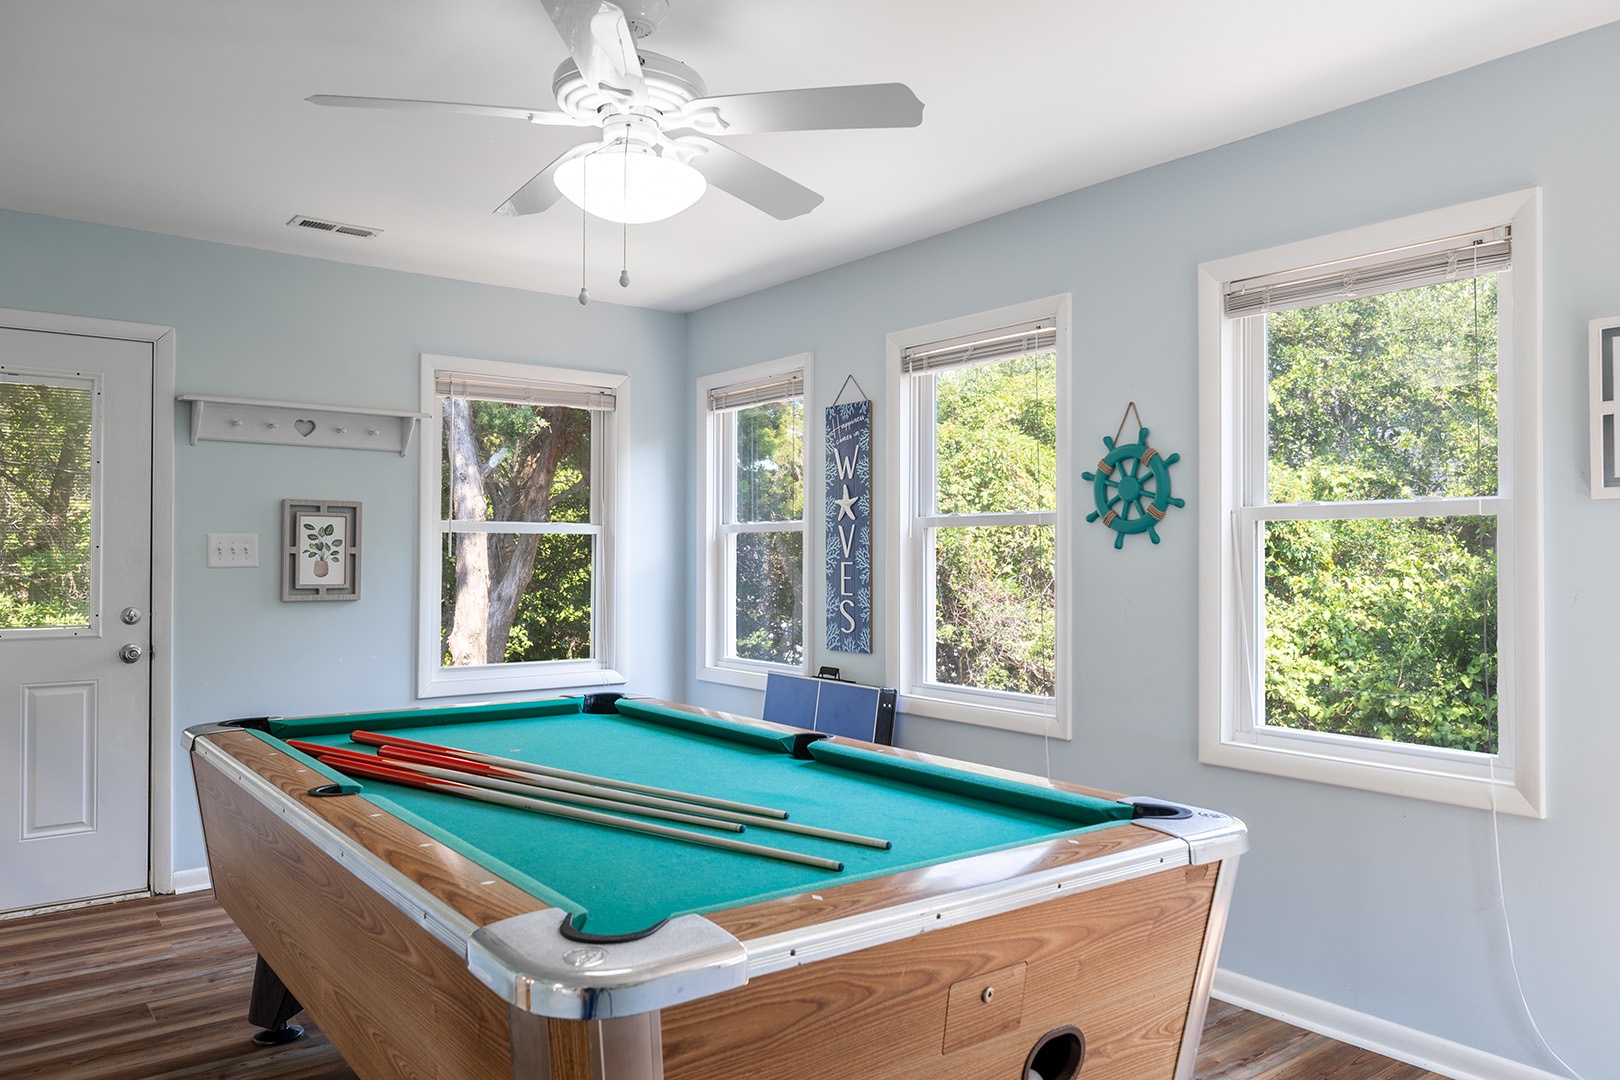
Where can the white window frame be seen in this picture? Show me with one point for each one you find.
(1231, 409)
(910, 592)
(609, 448)
(717, 460)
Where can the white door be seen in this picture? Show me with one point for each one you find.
(75, 595)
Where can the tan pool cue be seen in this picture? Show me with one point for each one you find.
(517, 787)
(446, 761)
(353, 766)
(375, 738)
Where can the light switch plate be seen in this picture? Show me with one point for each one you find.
(233, 549)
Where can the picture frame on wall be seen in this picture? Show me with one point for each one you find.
(1604, 399)
(320, 550)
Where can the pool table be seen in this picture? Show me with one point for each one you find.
(1013, 926)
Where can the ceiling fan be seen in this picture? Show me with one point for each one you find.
(657, 152)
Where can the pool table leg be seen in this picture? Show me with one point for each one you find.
(623, 1048)
(271, 1006)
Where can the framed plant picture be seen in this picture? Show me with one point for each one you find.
(321, 550)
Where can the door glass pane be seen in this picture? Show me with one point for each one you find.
(770, 597)
(45, 513)
(995, 610)
(1383, 629)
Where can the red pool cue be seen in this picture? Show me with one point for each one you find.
(338, 755)
(361, 765)
(375, 738)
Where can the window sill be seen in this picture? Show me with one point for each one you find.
(748, 674)
(1443, 777)
(983, 710)
(456, 682)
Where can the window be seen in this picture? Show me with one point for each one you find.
(517, 578)
(1370, 524)
(978, 602)
(48, 480)
(754, 574)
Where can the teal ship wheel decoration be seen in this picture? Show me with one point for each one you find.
(1132, 485)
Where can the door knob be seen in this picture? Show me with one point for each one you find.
(130, 653)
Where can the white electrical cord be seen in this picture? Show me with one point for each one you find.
(1507, 930)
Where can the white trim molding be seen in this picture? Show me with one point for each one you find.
(1372, 1033)
(909, 592)
(1231, 410)
(716, 605)
(196, 879)
(609, 498)
(160, 869)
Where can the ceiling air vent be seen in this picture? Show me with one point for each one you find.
(317, 224)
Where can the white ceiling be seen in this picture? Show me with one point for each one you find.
(188, 117)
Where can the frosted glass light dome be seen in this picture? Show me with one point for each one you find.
(631, 185)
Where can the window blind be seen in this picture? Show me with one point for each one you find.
(779, 387)
(523, 391)
(1454, 259)
(1019, 339)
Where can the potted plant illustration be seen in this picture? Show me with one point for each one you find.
(322, 546)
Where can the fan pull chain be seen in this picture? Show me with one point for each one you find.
(584, 219)
(624, 249)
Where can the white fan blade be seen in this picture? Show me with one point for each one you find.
(541, 191)
(753, 183)
(821, 108)
(504, 112)
(599, 39)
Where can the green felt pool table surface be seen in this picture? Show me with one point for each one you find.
(617, 882)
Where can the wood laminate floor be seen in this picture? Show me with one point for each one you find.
(156, 989)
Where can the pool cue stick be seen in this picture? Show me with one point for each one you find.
(533, 782)
(495, 783)
(356, 767)
(373, 738)
(479, 768)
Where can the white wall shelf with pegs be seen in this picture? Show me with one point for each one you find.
(288, 423)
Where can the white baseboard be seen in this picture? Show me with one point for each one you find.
(194, 880)
(1371, 1033)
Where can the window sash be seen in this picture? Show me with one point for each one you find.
(726, 478)
(551, 527)
(926, 677)
(925, 462)
(926, 522)
(1248, 725)
(732, 528)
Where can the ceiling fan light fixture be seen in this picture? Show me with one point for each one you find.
(632, 186)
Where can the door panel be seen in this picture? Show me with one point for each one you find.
(75, 552)
(58, 760)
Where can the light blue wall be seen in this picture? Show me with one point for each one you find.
(1381, 904)
(259, 325)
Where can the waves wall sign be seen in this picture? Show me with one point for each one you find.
(849, 527)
